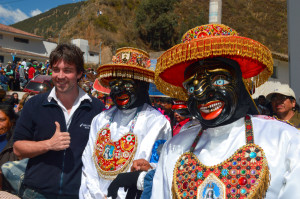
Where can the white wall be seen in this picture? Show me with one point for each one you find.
(33, 46)
(49, 46)
(282, 71)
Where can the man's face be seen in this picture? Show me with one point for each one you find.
(123, 92)
(281, 104)
(178, 117)
(213, 94)
(64, 77)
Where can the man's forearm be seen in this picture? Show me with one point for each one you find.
(30, 149)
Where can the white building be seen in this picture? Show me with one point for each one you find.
(20, 44)
(91, 56)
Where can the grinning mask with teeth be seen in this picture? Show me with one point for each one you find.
(215, 89)
(128, 93)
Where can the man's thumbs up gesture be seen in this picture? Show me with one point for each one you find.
(60, 140)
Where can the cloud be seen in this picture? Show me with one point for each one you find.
(35, 12)
(8, 16)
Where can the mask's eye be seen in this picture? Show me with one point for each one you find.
(220, 80)
(191, 89)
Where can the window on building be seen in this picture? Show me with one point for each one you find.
(92, 54)
(274, 75)
(1, 36)
(1, 59)
(21, 40)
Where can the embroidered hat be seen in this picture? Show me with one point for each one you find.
(210, 41)
(282, 89)
(127, 63)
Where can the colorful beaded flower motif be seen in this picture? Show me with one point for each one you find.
(131, 58)
(236, 177)
(244, 175)
(208, 30)
(112, 158)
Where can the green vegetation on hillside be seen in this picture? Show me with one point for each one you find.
(158, 24)
(49, 24)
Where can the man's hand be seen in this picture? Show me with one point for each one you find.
(140, 165)
(60, 140)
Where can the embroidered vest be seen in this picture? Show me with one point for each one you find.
(112, 158)
(243, 175)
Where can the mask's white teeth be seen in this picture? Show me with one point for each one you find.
(211, 108)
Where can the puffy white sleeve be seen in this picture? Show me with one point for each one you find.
(290, 188)
(90, 186)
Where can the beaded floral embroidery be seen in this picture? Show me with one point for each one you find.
(112, 158)
(244, 175)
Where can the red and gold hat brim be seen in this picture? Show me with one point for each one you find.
(98, 87)
(109, 71)
(255, 61)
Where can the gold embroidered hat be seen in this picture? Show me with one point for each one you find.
(210, 41)
(127, 63)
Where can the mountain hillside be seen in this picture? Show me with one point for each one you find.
(156, 25)
(49, 24)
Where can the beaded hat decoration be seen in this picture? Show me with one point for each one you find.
(127, 63)
(210, 41)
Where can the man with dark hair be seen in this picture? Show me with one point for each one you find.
(54, 128)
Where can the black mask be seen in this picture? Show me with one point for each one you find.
(129, 93)
(217, 93)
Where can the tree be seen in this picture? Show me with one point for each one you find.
(156, 21)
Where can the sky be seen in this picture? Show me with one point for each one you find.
(13, 11)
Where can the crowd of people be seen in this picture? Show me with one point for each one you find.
(15, 75)
(208, 139)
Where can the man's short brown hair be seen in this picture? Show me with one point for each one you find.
(70, 54)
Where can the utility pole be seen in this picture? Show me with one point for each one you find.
(100, 53)
(215, 11)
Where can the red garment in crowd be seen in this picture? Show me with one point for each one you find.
(31, 72)
(179, 125)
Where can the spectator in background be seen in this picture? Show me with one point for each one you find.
(24, 64)
(8, 120)
(7, 123)
(284, 105)
(262, 105)
(22, 80)
(38, 70)
(181, 116)
(10, 75)
(22, 102)
(31, 72)
(16, 83)
(14, 100)
(167, 103)
(54, 136)
(3, 80)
